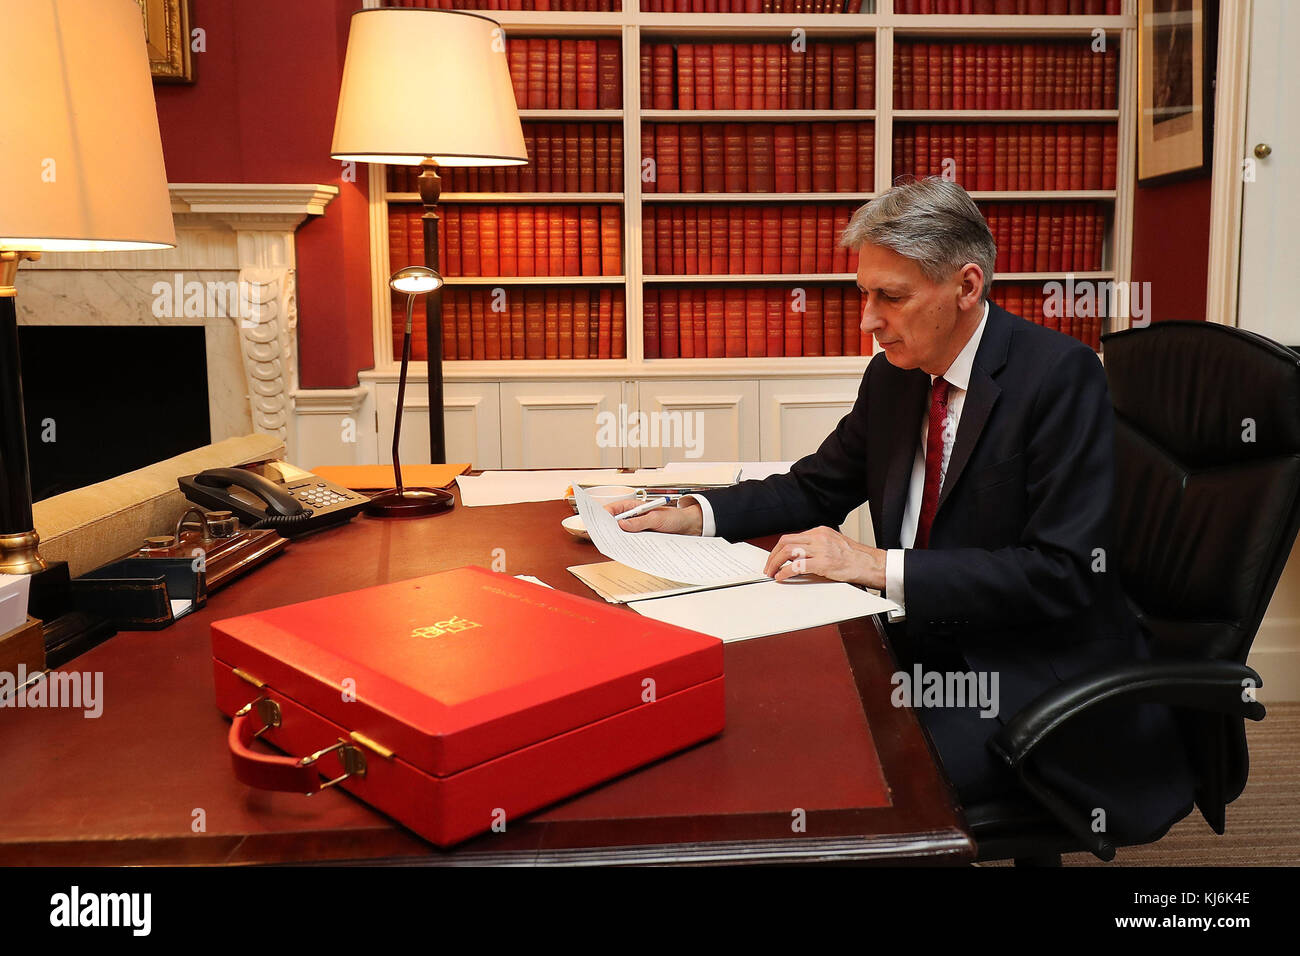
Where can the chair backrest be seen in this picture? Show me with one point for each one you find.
(1207, 498)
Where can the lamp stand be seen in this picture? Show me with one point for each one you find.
(18, 537)
(430, 186)
(401, 502)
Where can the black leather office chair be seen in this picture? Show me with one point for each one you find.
(1207, 507)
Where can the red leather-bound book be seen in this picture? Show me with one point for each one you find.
(762, 158)
(691, 240)
(704, 239)
(471, 259)
(517, 60)
(715, 322)
(1109, 80)
(774, 321)
(535, 52)
(616, 158)
(677, 228)
(691, 158)
(586, 158)
(1001, 157)
(605, 329)
(415, 238)
(771, 76)
(852, 335)
(489, 241)
(1024, 153)
(823, 157)
(792, 304)
(699, 340)
(704, 76)
(866, 156)
(662, 66)
(669, 325)
(588, 95)
(583, 224)
(1076, 156)
(397, 242)
(617, 325)
(945, 75)
(920, 75)
(712, 158)
(985, 157)
(572, 159)
(525, 230)
(1005, 66)
(515, 347)
(1093, 147)
(785, 77)
(465, 328)
(541, 171)
(940, 147)
(798, 78)
(843, 79)
(609, 72)
(1109, 155)
(770, 263)
(734, 321)
(551, 297)
(865, 75)
(790, 224)
(604, 171)
(833, 321)
(686, 323)
(783, 149)
(542, 217)
(551, 94)
(921, 149)
(752, 251)
(821, 78)
(650, 322)
(564, 323)
(736, 240)
(839, 254)
(755, 322)
(611, 241)
(667, 138)
(1056, 237)
(724, 91)
(719, 239)
(1016, 256)
(746, 72)
(980, 98)
(825, 238)
(735, 158)
(568, 75)
(803, 158)
(649, 239)
(686, 77)
(568, 257)
(1042, 224)
(534, 324)
(649, 172)
(1098, 229)
(812, 322)
(450, 321)
(1069, 237)
(904, 82)
(807, 240)
(647, 76)
(959, 100)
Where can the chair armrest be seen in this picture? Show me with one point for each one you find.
(1199, 685)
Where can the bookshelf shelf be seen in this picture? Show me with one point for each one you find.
(635, 29)
(534, 280)
(757, 197)
(792, 279)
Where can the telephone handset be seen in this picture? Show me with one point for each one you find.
(274, 495)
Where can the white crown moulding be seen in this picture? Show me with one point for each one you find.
(288, 199)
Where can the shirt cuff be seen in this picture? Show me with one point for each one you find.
(706, 510)
(894, 582)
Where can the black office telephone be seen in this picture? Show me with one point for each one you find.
(274, 495)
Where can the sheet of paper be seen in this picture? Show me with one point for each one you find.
(619, 584)
(513, 487)
(679, 474)
(532, 580)
(677, 557)
(770, 607)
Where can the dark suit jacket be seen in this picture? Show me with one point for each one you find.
(1017, 578)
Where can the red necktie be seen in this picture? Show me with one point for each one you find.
(933, 459)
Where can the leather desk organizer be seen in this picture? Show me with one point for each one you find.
(135, 594)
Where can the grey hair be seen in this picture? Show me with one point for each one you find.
(932, 221)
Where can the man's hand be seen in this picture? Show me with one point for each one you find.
(826, 552)
(670, 519)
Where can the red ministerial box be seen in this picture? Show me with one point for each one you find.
(461, 699)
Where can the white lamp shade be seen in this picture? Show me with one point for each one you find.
(429, 84)
(81, 163)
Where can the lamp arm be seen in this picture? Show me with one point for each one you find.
(401, 389)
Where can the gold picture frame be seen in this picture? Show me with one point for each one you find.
(167, 35)
(1174, 102)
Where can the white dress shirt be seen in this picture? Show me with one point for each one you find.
(958, 378)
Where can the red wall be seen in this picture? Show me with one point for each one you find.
(262, 111)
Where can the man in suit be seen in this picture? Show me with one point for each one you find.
(984, 446)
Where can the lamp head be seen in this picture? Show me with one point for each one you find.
(415, 280)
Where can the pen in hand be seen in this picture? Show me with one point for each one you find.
(642, 508)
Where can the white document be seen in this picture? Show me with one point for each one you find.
(619, 584)
(513, 487)
(532, 580)
(687, 558)
(752, 469)
(771, 607)
(711, 474)
(14, 590)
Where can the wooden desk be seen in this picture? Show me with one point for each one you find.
(131, 786)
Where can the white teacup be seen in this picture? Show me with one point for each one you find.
(606, 494)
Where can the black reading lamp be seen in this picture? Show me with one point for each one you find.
(428, 88)
(401, 502)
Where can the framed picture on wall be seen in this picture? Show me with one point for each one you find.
(1173, 89)
(167, 35)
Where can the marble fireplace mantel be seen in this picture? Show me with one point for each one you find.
(230, 236)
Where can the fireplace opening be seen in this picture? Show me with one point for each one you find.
(104, 400)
